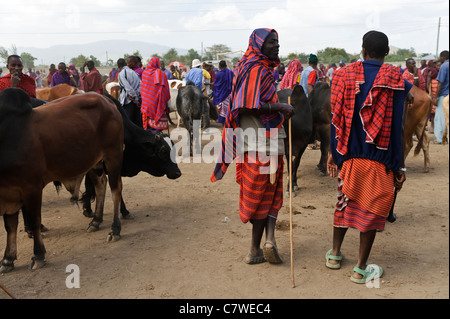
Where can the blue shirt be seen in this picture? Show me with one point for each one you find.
(443, 78)
(305, 77)
(357, 146)
(195, 75)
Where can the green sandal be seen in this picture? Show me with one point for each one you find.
(329, 256)
(372, 272)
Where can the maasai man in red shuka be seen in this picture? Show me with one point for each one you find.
(367, 106)
(16, 78)
(291, 77)
(254, 105)
(155, 94)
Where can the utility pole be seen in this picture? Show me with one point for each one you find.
(437, 43)
(201, 52)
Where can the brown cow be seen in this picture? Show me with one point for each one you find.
(59, 141)
(56, 92)
(416, 121)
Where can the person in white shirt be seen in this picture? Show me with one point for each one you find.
(130, 86)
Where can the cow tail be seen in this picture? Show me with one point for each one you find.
(419, 145)
(89, 195)
(58, 186)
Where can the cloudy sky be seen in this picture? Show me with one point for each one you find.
(303, 26)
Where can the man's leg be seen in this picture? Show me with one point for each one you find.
(270, 246)
(255, 247)
(439, 121)
(338, 238)
(366, 240)
(270, 229)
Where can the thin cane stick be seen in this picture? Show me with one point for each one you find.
(290, 198)
(6, 290)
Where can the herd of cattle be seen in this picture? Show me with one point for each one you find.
(74, 137)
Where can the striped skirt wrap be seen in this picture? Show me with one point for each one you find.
(258, 198)
(365, 195)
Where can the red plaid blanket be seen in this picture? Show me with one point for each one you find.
(376, 111)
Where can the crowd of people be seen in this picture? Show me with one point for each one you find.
(367, 103)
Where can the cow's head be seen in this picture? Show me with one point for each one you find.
(150, 153)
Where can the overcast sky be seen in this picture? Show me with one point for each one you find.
(303, 26)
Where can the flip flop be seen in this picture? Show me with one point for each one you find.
(329, 256)
(252, 260)
(372, 272)
(271, 253)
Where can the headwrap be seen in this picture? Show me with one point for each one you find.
(376, 112)
(155, 90)
(313, 58)
(253, 86)
(290, 78)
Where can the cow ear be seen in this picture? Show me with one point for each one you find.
(298, 91)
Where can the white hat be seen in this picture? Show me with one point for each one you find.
(196, 63)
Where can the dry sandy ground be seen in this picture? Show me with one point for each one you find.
(187, 242)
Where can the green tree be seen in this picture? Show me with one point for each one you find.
(135, 53)
(170, 56)
(401, 55)
(330, 55)
(212, 51)
(28, 60)
(303, 57)
(187, 59)
(96, 61)
(4, 54)
(79, 60)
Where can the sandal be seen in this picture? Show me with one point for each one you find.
(372, 272)
(271, 253)
(252, 260)
(329, 256)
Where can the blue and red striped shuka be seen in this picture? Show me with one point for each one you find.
(258, 198)
(155, 94)
(253, 87)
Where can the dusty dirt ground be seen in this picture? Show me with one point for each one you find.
(187, 242)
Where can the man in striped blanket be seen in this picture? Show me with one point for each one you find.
(368, 109)
(254, 106)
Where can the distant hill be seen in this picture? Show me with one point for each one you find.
(113, 49)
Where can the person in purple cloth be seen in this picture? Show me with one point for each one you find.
(222, 89)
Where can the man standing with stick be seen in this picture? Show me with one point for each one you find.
(254, 106)
(368, 112)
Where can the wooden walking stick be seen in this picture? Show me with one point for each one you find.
(290, 198)
(7, 291)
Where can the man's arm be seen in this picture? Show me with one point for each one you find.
(400, 176)
(439, 88)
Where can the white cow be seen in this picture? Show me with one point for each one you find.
(110, 85)
(172, 104)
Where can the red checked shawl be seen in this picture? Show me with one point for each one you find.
(155, 91)
(376, 112)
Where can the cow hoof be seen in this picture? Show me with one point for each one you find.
(296, 188)
(293, 194)
(6, 266)
(36, 263)
(112, 237)
(93, 228)
(128, 216)
(88, 213)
